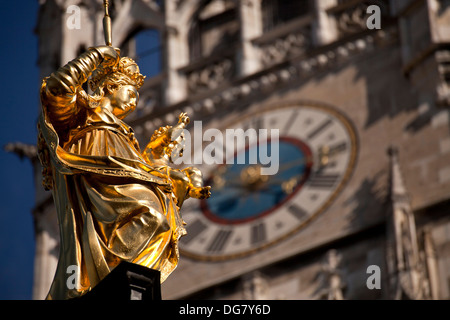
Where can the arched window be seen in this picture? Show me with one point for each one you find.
(144, 46)
(215, 29)
(277, 12)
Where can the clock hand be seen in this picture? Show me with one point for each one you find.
(324, 155)
(223, 177)
(293, 163)
(288, 165)
(250, 175)
(222, 170)
(219, 182)
(275, 181)
(325, 152)
(286, 185)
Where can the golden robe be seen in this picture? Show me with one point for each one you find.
(111, 204)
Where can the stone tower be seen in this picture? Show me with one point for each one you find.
(343, 82)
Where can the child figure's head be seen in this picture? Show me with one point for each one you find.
(167, 148)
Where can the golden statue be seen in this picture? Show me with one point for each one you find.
(114, 202)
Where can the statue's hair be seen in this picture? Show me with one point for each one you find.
(125, 73)
(113, 80)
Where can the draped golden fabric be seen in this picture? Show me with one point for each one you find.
(112, 205)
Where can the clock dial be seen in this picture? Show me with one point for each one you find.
(315, 154)
(243, 194)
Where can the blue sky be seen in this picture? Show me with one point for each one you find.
(19, 88)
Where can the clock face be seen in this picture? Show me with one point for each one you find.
(315, 154)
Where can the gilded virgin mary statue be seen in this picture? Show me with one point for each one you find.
(114, 202)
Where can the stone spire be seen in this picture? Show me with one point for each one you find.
(406, 270)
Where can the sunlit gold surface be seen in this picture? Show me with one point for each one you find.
(107, 28)
(113, 202)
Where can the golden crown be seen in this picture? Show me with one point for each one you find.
(130, 68)
(126, 66)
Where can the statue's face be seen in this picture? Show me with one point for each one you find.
(124, 100)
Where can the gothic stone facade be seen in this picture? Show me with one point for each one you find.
(222, 60)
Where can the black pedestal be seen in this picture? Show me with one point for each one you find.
(128, 281)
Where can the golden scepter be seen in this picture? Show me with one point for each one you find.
(107, 24)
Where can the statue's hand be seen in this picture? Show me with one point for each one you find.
(200, 192)
(183, 118)
(110, 55)
(176, 131)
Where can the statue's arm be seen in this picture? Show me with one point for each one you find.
(155, 148)
(177, 130)
(156, 145)
(61, 90)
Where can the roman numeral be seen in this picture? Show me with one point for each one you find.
(193, 230)
(297, 211)
(323, 181)
(338, 148)
(320, 128)
(258, 233)
(255, 123)
(219, 241)
(290, 122)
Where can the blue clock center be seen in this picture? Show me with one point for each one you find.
(242, 193)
